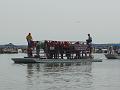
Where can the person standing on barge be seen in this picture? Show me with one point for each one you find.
(29, 39)
(89, 44)
(30, 44)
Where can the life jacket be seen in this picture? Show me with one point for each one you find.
(29, 37)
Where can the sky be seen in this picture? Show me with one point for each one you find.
(59, 20)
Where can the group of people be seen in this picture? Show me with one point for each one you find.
(56, 49)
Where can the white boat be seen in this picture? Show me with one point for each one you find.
(112, 56)
(39, 60)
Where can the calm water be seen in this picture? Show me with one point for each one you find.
(97, 76)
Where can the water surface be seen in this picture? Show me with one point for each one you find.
(96, 76)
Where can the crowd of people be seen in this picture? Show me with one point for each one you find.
(60, 49)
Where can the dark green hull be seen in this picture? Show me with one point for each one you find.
(38, 60)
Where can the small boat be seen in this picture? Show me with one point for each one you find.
(112, 56)
(39, 60)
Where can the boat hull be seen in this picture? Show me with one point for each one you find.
(38, 60)
(112, 56)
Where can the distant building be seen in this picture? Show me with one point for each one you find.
(8, 48)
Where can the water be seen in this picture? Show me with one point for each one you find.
(96, 76)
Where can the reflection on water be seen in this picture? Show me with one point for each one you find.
(78, 76)
(59, 76)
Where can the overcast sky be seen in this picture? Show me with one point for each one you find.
(59, 20)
